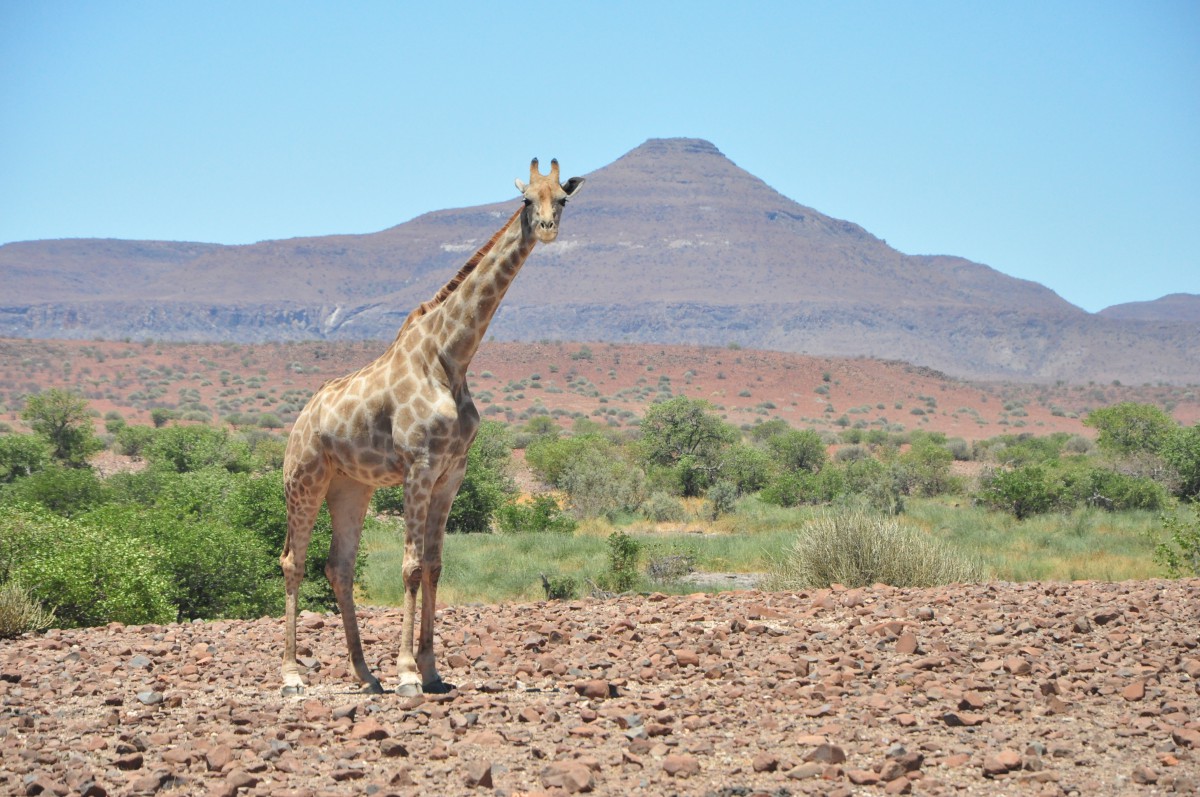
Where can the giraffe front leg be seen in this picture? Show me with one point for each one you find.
(431, 571)
(416, 510)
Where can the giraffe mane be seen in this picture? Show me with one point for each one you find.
(446, 290)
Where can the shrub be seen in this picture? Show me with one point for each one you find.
(20, 613)
(623, 554)
(62, 418)
(722, 497)
(798, 450)
(63, 490)
(541, 513)
(1127, 427)
(133, 440)
(22, 455)
(215, 570)
(685, 437)
(602, 485)
(85, 575)
(855, 548)
(662, 507)
(1180, 553)
(560, 588)
(190, 448)
(1021, 492)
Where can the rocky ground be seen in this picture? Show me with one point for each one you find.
(1086, 688)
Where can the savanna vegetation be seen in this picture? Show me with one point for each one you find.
(195, 529)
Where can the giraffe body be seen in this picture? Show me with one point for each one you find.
(406, 418)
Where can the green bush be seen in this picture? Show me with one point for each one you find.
(22, 455)
(85, 575)
(662, 507)
(797, 450)
(623, 554)
(1021, 491)
(1180, 553)
(1182, 452)
(602, 485)
(67, 491)
(20, 612)
(190, 448)
(133, 440)
(560, 588)
(62, 418)
(540, 514)
(215, 569)
(855, 548)
(684, 438)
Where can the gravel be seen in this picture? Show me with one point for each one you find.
(996, 689)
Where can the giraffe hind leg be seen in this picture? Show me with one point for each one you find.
(348, 502)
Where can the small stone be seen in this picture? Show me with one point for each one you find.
(863, 777)
(901, 785)
(595, 689)
(570, 776)
(239, 779)
(1017, 665)
(685, 657)
(1001, 762)
(1083, 625)
(479, 774)
(765, 762)
(681, 766)
(130, 761)
(150, 698)
(906, 645)
(140, 662)
(315, 711)
(1134, 691)
(390, 748)
(827, 754)
(369, 728)
(963, 719)
(1145, 776)
(812, 769)
(1186, 737)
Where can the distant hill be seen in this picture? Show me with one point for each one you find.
(1184, 307)
(671, 243)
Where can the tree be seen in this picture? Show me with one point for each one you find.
(1129, 428)
(21, 455)
(798, 450)
(684, 437)
(1182, 452)
(62, 418)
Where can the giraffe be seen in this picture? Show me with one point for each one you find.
(406, 418)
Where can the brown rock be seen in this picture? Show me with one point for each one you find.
(218, 758)
(130, 761)
(369, 728)
(316, 711)
(1134, 691)
(685, 657)
(1186, 737)
(390, 748)
(681, 766)
(906, 644)
(963, 719)
(827, 754)
(595, 689)
(1017, 665)
(1001, 762)
(765, 762)
(1145, 776)
(570, 776)
(479, 774)
(901, 785)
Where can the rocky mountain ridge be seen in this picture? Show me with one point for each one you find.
(671, 243)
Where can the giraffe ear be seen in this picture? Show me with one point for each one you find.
(520, 185)
(572, 185)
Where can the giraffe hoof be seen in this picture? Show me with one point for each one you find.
(373, 688)
(408, 690)
(292, 690)
(438, 687)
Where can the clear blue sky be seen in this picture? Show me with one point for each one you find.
(1055, 141)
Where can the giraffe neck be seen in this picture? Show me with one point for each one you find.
(456, 319)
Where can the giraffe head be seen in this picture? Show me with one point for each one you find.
(545, 198)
